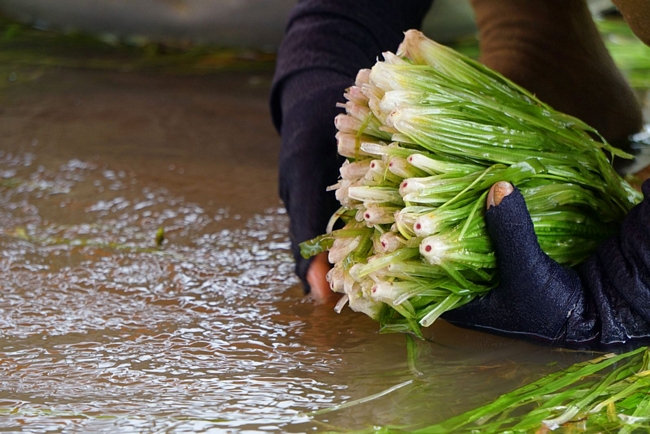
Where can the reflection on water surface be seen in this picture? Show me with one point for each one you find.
(102, 331)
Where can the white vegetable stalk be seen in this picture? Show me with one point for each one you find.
(350, 285)
(389, 242)
(402, 168)
(363, 77)
(413, 269)
(357, 111)
(404, 222)
(342, 195)
(426, 225)
(434, 167)
(383, 78)
(437, 221)
(356, 96)
(383, 150)
(416, 185)
(342, 247)
(379, 215)
(385, 292)
(358, 300)
(347, 124)
(354, 171)
(349, 145)
(375, 194)
(434, 248)
(355, 273)
(397, 98)
(336, 277)
(374, 95)
(359, 303)
(375, 172)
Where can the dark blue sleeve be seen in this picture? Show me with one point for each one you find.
(325, 45)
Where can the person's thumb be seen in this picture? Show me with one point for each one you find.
(535, 294)
(513, 236)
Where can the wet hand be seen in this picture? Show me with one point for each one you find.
(316, 277)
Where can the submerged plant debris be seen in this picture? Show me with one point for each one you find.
(22, 46)
(610, 393)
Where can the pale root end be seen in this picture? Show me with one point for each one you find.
(354, 171)
(341, 248)
(347, 124)
(433, 249)
(335, 277)
(389, 242)
(363, 77)
(425, 225)
(411, 46)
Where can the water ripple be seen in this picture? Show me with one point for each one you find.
(103, 330)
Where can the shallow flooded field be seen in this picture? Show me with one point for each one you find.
(103, 330)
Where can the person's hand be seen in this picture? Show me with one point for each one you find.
(605, 300)
(316, 278)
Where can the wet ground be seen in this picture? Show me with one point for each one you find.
(101, 330)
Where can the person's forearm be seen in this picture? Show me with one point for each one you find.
(308, 159)
(326, 44)
(341, 36)
(637, 16)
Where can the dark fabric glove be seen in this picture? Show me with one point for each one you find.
(326, 43)
(605, 300)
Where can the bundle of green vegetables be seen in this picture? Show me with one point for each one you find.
(606, 394)
(426, 133)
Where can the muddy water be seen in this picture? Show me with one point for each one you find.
(101, 330)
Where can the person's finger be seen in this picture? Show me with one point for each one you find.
(518, 253)
(498, 191)
(316, 277)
